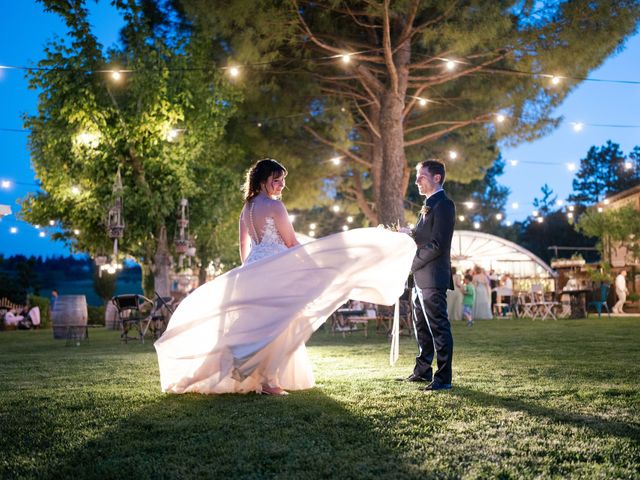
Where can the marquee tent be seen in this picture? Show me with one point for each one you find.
(470, 248)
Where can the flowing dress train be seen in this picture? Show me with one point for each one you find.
(249, 326)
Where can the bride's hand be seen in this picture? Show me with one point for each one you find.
(405, 230)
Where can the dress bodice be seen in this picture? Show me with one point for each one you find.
(270, 244)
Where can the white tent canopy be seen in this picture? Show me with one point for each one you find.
(470, 248)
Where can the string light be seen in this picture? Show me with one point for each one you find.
(75, 190)
(577, 126)
(571, 208)
(312, 233)
(508, 223)
(422, 102)
(569, 214)
(312, 226)
(600, 209)
(559, 203)
(336, 160)
(336, 208)
(606, 201)
(540, 219)
(461, 218)
(500, 118)
(535, 213)
(116, 75)
(469, 205)
(76, 232)
(36, 226)
(42, 234)
(349, 219)
(234, 72)
(88, 139)
(555, 80)
(451, 65)
(52, 222)
(346, 58)
(515, 205)
(628, 165)
(476, 225)
(292, 218)
(513, 162)
(453, 154)
(571, 167)
(13, 230)
(345, 228)
(499, 216)
(5, 184)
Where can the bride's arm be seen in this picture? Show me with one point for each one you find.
(245, 240)
(283, 224)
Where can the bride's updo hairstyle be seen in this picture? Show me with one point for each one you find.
(258, 174)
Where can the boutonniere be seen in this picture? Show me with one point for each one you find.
(424, 211)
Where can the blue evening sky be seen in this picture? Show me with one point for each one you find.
(27, 28)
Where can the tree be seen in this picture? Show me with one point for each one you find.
(160, 124)
(385, 84)
(604, 171)
(612, 226)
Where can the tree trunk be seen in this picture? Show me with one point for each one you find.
(162, 264)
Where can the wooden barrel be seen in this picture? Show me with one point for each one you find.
(111, 320)
(69, 311)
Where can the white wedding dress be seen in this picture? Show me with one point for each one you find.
(249, 326)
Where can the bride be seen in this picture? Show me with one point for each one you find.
(245, 331)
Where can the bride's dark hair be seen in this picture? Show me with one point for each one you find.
(258, 174)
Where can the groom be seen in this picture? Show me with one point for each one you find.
(431, 270)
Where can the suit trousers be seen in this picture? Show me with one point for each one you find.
(433, 333)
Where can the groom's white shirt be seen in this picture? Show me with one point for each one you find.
(429, 196)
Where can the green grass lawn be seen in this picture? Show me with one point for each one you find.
(530, 399)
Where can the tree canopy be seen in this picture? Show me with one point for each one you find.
(385, 84)
(154, 109)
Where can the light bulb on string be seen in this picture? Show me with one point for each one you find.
(499, 216)
(500, 117)
(577, 126)
(571, 208)
(469, 205)
(515, 205)
(172, 134)
(292, 218)
(600, 209)
(559, 202)
(535, 213)
(569, 214)
(540, 219)
(513, 163)
(5, 184)
(476, 225)
(422, 102)
(346, 58)
(335, 208)
(453, 154)
(312, 233)
(606, 201)
(555, 80)
(234, 72)
(451, 65)
(461, 218)
(76, 232)
(508, 223)
(52, 222)
(42, 234)
(75, 190)
(13, 230)
(312, 226)
(349, 219)
(628, 165)
(336, 160)
(37, 226)
(116, 75)
(345, 228)
(571, 167)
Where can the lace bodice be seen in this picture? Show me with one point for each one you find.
(270, 244)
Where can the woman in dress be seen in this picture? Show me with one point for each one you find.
(455, 297)
(245, 331)
(482, 306)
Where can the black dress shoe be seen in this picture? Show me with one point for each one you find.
(413, 378)
(436, 386)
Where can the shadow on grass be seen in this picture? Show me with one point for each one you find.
(304, 435)
(599, 425)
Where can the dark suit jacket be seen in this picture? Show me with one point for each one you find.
(431, 266)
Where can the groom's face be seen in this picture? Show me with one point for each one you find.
(426, 183)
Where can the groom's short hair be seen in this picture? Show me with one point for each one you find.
(434, 167)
